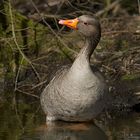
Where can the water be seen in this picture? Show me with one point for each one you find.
(26, 121)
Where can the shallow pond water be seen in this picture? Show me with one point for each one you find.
(25, 121)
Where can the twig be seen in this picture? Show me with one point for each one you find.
(114, 32)
(35, 112)
(51, 28)
(72, 5)
(41, 83)
(139, 6)
(18, 116)
(109, 68)
(28, 93)
(111, 6)
(18, 74)
(37, 17)
(15, 40)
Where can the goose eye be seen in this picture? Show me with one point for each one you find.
(85, 23)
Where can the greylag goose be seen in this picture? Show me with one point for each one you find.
(77, 93)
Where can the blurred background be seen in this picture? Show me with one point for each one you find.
(33, 46)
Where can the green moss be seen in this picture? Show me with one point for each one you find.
(130, 76)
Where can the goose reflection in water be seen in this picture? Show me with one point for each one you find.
(70, 131)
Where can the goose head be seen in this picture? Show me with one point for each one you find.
(87, 25)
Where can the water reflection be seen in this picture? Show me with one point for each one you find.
(23, 122)
(124, 128)
(69, 131)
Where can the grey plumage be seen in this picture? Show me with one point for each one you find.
(79, 92)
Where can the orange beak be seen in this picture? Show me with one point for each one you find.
(72, 23)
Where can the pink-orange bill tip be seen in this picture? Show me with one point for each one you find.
(61, 22)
